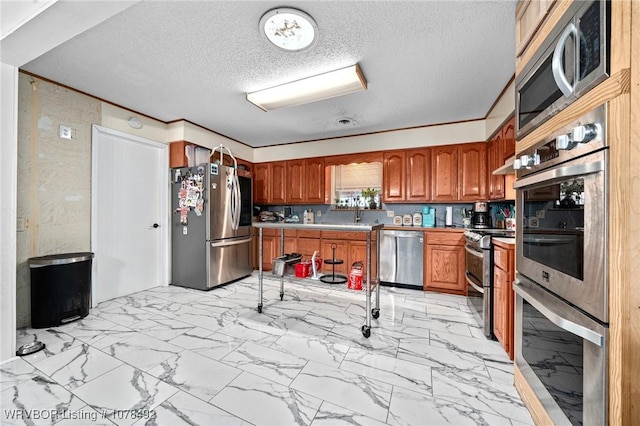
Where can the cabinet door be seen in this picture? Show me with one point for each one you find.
(314, 183)
(270, 250)
(295, 181)
(341, 253)
(472, 168)
(306, 246)
(358, 252)
(500, 285)
(444, 269)
(509, 139)
(261, 187)
(496, 182)
(278, 178)
(418, 175)
(444, 173)
(393, 177)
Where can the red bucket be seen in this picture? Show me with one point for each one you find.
(355, 276)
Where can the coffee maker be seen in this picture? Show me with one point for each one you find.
(481, 216)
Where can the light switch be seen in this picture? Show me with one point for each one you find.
(65, 132)
(390, 213)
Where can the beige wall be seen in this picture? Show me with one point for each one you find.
(505, 106)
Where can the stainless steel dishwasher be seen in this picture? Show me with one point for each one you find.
(402, 258)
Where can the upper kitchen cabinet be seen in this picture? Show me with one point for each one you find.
(407, 176)
(472, 171)
(496, 159)
(393, 177)
(444, 173)
(305, 181)
(529, 16)
(269, 183)
(315, 181)
(509, 139)
(418, 163)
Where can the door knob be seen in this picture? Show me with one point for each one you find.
(155, 225)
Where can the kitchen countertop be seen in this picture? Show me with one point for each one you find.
(422, 228)
(357, 227)
(505, 240)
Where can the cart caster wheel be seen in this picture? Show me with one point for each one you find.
(281, 296)
(366, 331)
(259, 309)
(375, 313)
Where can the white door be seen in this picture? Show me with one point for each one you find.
(129, 231)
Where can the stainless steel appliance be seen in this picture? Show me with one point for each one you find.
(479, 274)
(561, 203)
(572, 60)
(561, 282)
(211, 226)
(481, 220)
(401, 258)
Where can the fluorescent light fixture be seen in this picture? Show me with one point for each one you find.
(311, 89)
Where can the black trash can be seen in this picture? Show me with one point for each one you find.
(60, 288)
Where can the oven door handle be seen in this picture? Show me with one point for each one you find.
(472, 283)
(473, 252)
(551, 307)
(560, 172)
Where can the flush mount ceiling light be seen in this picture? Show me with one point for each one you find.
(289, 29)
(324, 86)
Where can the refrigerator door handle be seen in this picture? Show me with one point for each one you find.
(226, 243)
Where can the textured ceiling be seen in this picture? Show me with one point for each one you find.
(426, 62)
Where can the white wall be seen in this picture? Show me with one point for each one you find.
(501, 110)
(470, 131)
(8, 182)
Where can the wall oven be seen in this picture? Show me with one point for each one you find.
(561, 258)
(573, 59)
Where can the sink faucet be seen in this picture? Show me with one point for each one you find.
(358, 218)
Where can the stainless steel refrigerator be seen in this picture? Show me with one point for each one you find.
(211, 210)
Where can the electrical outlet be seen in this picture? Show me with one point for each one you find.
(65, 132)
(318, 213)
(390, 213)
(540, 214)
(22, 224)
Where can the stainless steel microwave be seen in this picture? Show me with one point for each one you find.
(573, 59)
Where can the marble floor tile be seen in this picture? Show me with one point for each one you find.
(277, 366)
(142, 351)
(55, 342)
(333, 415)
(77, 366)
(184, 356)
(197, 375)
(260, 401)
(311, 348)
(359, 393)
(412, 408)
(184, 409)
(120, 392)
(383, 368)
(14, 372)
(38, 401)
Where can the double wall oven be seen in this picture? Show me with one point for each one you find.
(561, 281)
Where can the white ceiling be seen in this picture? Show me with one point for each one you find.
(426, 62)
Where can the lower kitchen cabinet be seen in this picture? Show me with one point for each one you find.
(503, 295)
(444, 259)
(271, 246)
(342, 252)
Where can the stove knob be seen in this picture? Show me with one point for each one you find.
(517, 164)
(564, 142)
(585, 133)
(536, 159)
(527, 160)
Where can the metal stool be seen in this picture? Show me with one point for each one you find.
(333, 278)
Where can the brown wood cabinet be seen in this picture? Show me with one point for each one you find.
(261, 183)
(495, 160)
(529, 16)
(342, 252)
(418, 174)
(444, 173)
(295, 181)
(472, 171)
(444, 259)
(509, 139)
(503, 295)
(278, 177)
(393, 176)
(314, 181)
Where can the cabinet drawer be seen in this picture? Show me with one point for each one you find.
(308, 234)
(306, 246)
(350, 236)
(501, 258)
(447, 238)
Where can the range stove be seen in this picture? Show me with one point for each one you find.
(479, 274)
